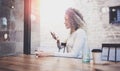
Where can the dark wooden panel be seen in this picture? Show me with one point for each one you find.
(27, 26)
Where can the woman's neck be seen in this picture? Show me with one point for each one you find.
(72, 30)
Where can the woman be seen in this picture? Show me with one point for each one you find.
(77, 40)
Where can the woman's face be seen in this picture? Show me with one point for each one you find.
(67, 24)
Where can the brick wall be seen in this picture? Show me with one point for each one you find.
(96, 14)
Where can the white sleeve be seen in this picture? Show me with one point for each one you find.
(77, 47)
(79, 44)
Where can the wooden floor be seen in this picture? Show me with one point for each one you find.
(31, 63)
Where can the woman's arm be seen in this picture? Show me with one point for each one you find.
(79, 44)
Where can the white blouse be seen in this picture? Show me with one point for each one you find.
(76, 42)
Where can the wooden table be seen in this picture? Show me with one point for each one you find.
(31, 63)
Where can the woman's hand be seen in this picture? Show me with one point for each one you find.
(43, 54)
(56, 38)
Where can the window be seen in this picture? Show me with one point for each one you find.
(115, 15)
(52, 20)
